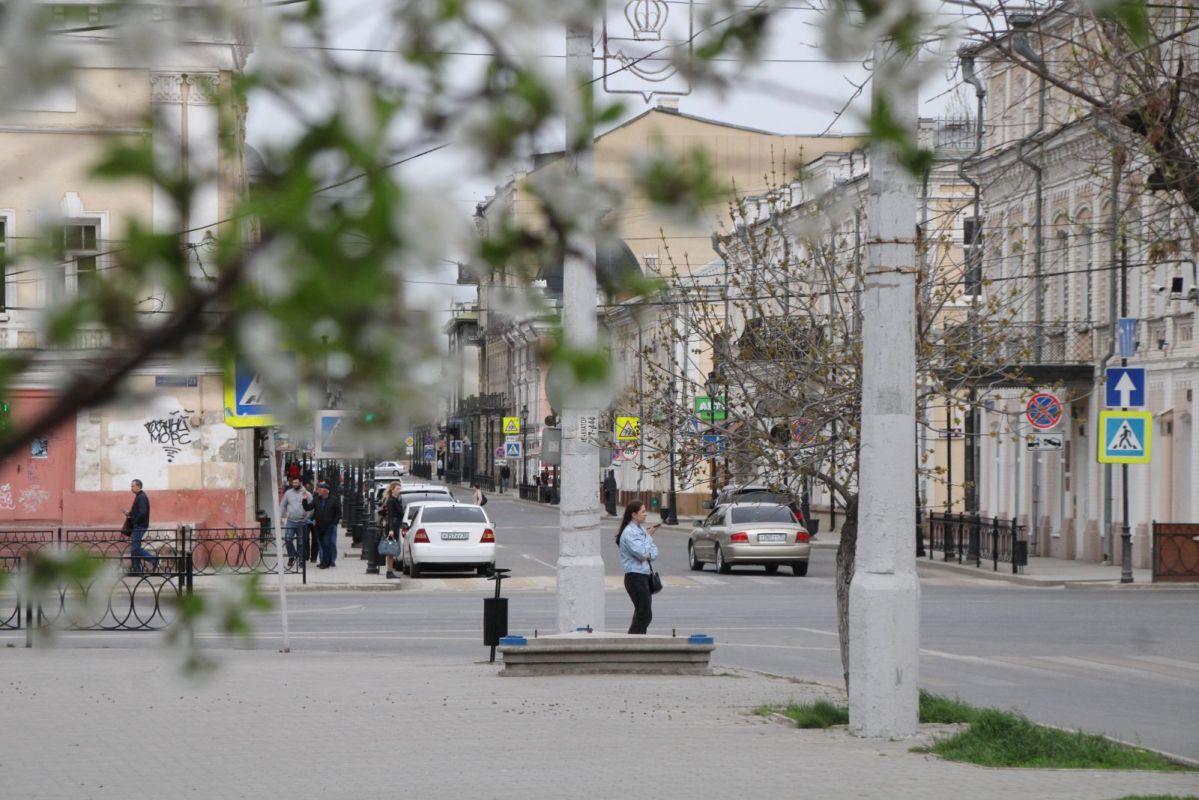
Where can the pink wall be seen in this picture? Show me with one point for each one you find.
(31, 489)
(206, 508)
(42, 490)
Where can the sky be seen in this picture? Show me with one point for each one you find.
(794, 89)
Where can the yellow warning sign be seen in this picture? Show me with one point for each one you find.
(628, 429)
(511, 425)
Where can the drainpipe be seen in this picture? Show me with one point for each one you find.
(1020, 25)
(974, 273)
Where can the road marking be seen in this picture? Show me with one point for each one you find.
(539, 561)
(337, 610)
(708, 580)
(777, 646)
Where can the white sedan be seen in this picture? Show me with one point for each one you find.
(457, 536)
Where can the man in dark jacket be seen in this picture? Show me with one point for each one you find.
(326, 513)
(139, 520)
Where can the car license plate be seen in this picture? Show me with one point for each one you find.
(772, 538)
(454, 536)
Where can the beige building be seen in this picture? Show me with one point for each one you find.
(168, 427)
(644, 242)
(1057, 225)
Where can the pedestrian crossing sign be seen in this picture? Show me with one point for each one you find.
(1124, 437)
(628, 429)
(511, 425)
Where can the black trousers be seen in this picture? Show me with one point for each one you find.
(637, 585)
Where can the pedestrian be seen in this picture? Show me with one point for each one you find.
(440, 467)
(295, 519)
(505, 476)
(139, 521)
(314, 548)
(610, 492)
(326, 513)
(392, 513)
(637, 552)
(477, 496)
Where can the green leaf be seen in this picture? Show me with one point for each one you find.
(1132, 16)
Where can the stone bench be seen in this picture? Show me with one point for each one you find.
(606, 653)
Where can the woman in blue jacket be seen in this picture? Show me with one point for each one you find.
(637, 551)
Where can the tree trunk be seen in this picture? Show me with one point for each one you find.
(846, 552)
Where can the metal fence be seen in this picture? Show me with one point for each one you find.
(973, 538)
(127, 592)
(124, 594)
(1175, 551)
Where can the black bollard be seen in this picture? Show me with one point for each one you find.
(495, 613)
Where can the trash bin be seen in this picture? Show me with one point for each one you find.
(495, 613)
(370, 549)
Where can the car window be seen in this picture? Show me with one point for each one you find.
(743, 514)
(453, 514)
(715, 517)
(412, 497)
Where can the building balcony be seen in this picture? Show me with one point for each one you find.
(1019, 354)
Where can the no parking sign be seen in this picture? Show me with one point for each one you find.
(1043, 411)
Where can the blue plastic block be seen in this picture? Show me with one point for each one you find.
(513, 640)
(700, 638)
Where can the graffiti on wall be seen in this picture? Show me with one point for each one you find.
(32, 498)
(171, 432)
(6, 501)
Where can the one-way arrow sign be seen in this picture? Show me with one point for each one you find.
(1125, 387)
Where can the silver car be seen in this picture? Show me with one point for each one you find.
(767, 534)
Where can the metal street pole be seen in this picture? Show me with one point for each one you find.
(672, 513)
(1125, 532)
(580, 564)
(884, 594)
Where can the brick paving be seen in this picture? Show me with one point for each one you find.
(126, 724)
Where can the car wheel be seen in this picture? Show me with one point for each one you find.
(800, 568)
(772, 569)
(720, 564)
(414, 569)
(695, 563)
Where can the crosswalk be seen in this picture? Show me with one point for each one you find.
(611, 582)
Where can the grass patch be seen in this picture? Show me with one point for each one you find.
(1006, 739)
(999, 738)
(821, 714)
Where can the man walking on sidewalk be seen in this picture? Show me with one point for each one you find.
(139, 520)
(326, 513)
(295, 520)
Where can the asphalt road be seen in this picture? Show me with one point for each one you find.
(1124, 663)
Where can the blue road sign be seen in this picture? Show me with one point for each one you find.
(429, 455)
(334, 437)
(713, 444)
(245, 401)
(1125, 387)
(511, 449)
(1126, 334)
(1124, 437)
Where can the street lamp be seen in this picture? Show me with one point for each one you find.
(524, 446)
(672, 517)
(711, 385)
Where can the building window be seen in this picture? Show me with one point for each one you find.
(76, 271)
(972, 246)
(4, 228)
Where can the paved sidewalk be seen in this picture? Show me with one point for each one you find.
(125, 724)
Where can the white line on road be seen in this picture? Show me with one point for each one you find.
(539, 561)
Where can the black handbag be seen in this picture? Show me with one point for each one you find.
(655, 580)
(389, 546)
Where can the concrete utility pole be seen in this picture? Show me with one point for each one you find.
(580, 565)
(884, 595)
